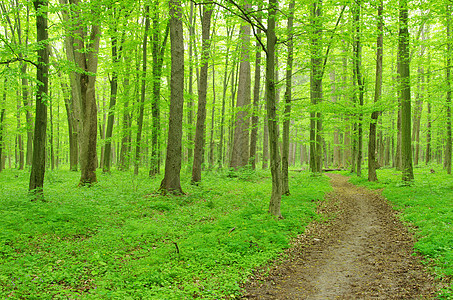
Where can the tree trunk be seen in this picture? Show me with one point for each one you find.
(404, 80)
(357, 62)
(158, 62)
(142, 95)
(240, 151)
(274, 204)
(316, 89)
(113, 95)
(288, 96)
(19, 140)
(372, 162)
(123, 163)
(225, 87)
(256, 100)
(39, 142)
(191, 97)
(171, 182)
(202, 90)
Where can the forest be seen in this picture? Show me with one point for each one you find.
(172, 149)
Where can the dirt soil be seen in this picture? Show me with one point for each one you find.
(362, 251)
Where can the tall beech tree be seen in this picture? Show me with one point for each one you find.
(275, 161)
(171, 183)
(82, 47)
(202, 90)
(288, 95)
(142, 93)
(42, 76)
(405, 91)
(158, 62)
(372, 162)
(240, 148)
(316, 96)
(256, 99)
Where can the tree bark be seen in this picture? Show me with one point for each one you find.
(158, 62)
(288, 96)
(2, 119)
(256, 100)
(142, 95)
(112, 105)
(240, 150)
(202, 90)
(225, 87)
(357, 67)
(38, 167)
(274, 204)
(171, 182)
(404, 80)
(316, 88)
(372, 161)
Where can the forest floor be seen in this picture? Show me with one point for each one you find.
(360, 250)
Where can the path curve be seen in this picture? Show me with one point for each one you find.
(363, 252)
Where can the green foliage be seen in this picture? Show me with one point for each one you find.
(120, 240)
(427, 207)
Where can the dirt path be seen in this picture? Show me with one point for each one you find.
(364, 252)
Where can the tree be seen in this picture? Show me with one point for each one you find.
(288, 94)
(405, 92)
(274, 204)
(240, 150)
(316, 75)
(358, 79)
(372, 162)
(256, 98)
(171, 183)
(158, 61)
(42, 76)
(142, 94)
(202, 90)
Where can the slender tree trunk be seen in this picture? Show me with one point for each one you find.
(240, 151)
(19, 140)
(126, 123)
(372, 162)
(113, 95)
(51, 136)
(142, 95)
(203, 86)
(39, 143)
(274, 204)
(288, 96)
(225, 87)
(190, 103)
(256, 100)
(171, 182)
(357, 62)
(158, 62)
(404, 80)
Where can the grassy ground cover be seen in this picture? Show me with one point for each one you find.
(120, 240)
(427, 205)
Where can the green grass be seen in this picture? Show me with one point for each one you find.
(427, 205)
(120, 240)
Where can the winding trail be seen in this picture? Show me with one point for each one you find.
(362, 251)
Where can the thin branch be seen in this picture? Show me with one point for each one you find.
(12, 60)
(331, 40)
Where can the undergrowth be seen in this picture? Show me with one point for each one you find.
(427, 206)
(120, 240)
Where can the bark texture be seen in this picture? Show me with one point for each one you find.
(171, 183)
(38, 166)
